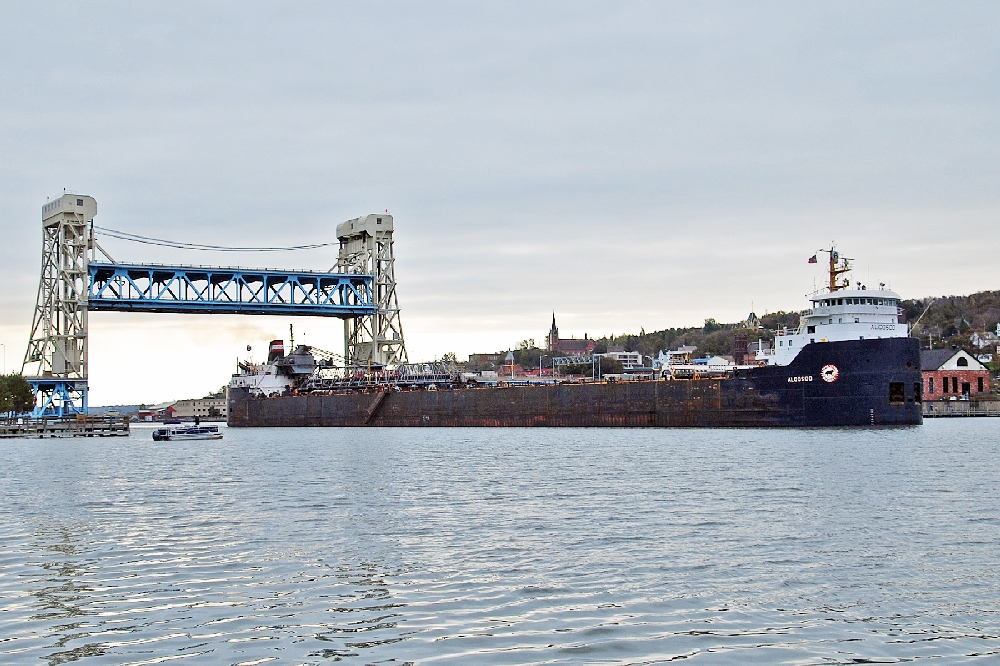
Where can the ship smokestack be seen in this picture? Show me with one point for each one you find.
(276, 351)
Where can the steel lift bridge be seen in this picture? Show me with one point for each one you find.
(74, 282)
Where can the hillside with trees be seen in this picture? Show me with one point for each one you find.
(951, 320)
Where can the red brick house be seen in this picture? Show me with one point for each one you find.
(950, 373)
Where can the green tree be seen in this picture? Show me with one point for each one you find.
(6, 404)
(15, 394)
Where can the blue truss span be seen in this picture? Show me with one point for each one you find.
(191, 289)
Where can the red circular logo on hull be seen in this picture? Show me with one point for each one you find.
(829, 373)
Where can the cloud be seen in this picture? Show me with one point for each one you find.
(631, 165)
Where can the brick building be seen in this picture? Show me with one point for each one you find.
(570, 346)
(949, 373)
(494, 359)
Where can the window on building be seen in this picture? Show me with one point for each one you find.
(930, 385)
(944, 385)
(79, 202)
(954, 384)
(966, 388)
(979, 382)
(962, 361)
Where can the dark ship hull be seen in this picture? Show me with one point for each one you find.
(850, 383)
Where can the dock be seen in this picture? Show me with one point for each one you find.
(956, 408)
(79, 426)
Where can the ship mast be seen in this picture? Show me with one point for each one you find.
(838, 266)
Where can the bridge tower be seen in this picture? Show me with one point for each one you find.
(55, 363)
(366, 247)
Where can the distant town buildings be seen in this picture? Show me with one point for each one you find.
(568, 346)
(628, 359)
(210, 408)
(496, 358)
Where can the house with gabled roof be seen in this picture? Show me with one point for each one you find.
(952, 373)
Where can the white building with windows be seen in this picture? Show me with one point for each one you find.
(628, 359)
(211, 407)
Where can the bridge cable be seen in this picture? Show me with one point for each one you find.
(182, 245)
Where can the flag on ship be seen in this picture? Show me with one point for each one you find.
(813, 260)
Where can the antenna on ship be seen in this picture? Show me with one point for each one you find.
(838, 266)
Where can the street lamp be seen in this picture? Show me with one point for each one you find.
(540, 357)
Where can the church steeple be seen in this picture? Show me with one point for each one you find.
(553, 334)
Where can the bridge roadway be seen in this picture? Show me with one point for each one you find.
(209, 290)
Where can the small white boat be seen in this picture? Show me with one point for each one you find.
(192, 432)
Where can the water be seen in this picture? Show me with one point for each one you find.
(504, 547)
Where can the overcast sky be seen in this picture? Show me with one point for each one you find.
(627, 165)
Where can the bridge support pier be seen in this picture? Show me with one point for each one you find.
(55, 363)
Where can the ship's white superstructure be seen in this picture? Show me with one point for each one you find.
(856, 314)
(262, 379)
(840, 314)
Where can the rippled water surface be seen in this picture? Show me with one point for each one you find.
(504, 547)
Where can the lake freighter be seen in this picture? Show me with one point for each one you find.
(850, 362)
